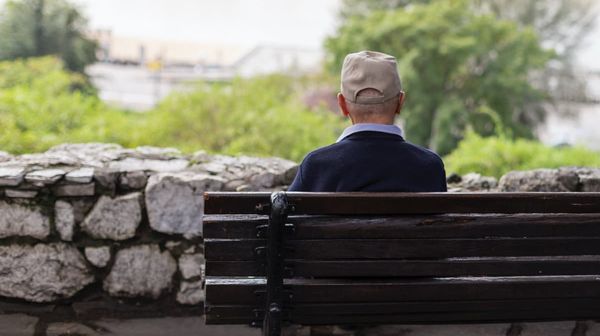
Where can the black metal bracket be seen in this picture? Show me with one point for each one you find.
(275, 267)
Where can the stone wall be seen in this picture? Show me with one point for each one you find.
(96, 230)
(90, 231)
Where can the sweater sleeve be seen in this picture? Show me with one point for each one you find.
(298, 183)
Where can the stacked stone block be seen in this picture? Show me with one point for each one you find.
(87, 221)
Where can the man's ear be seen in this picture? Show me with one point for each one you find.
(401, 97)
(343, 105)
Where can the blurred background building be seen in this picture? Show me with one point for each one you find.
(137, 73)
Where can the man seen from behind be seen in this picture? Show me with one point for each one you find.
(372, 154)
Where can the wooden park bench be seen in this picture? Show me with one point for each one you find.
(396, 258)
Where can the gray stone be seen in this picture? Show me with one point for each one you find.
(190, 293)
(45, 176)
(548, 328)
(589, 180)
(23, 219)
(253, 173)
(87, 154)
(72, 190)
(82, 175)
(64, 219)
(41, 160)
(20, 193)
(476, 182)
(191, 250)
(81, 206)
(106, 178)
(141, 271)
(200, 157)
(4, 156)
(11, 177)
(173, 245)
(191, 265)
(161, 166)
(114, 218)
(175, 202)
(42, 273)
(540, 180)
(17, 325)
(98, 256)
(133, 180)
(159, 153)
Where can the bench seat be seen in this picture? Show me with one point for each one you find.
(394, 258)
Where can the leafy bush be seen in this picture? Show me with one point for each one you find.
(42, 105)
(494, 156)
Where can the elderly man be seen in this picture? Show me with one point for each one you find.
(371, 155)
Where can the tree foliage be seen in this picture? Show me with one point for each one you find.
(261, 116)
(42, 105)
(31, 28)
(459, 69)
(497, 155)
(561, 25)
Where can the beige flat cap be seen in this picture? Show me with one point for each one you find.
(370, 70)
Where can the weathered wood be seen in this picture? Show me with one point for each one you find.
(323, 249)
(373, 258)
(408, 203)
(244, 291)
(438, 203)
(537, 315)
(235, 203)
(249, 313)
(473, 266)
(232, 226)
(412, 226)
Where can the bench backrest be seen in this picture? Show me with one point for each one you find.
(352, 258)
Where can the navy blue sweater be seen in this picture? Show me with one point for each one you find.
(371, 161)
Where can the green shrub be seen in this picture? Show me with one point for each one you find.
(494, 156)
(259, 116)
(42, 105)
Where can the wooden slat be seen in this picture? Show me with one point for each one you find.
(547, 314)
(234, 202)
(225, 291)
(538, 315)
(475, 266)
(248, 313)
(436, 203)
(409, 203)
(232, 226)
(232, 249)
(240, 250)
(412, 226)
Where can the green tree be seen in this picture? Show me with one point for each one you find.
(561, 25)
(31, 28)
(365, 7)
(460, 69)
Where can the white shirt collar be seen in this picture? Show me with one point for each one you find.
(390, 129)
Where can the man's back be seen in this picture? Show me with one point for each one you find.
(371, 161)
